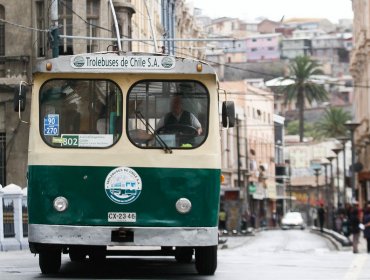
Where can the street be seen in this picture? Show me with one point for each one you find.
(273, 254)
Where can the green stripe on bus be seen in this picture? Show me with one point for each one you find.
(84, 187)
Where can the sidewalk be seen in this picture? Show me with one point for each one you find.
(340, 241)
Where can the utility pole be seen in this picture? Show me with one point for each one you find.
(54, 29)
(248, 204)
(238, 150)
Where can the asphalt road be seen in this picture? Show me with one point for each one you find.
(292, 254)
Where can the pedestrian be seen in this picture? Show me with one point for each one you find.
(244, 224)
(274, 219)
(222, 219)
(253, 220)
(338, 222)
(321, 215)
(354, 229)
(366, 222)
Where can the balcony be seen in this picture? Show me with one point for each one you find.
(13, 68)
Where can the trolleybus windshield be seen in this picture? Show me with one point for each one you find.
(169, 113)
(76, 113)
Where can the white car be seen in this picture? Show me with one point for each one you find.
(292, 220)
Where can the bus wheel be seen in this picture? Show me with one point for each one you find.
(184, 254)
(206, 260)
(77, 254)
(50, 261)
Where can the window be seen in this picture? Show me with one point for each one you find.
(80, 113)
(40, 24)
(92, 16)
(167, 113)
(65, 20)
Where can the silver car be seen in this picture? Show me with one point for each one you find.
(292, 220)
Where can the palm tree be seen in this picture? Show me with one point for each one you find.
(303, 88)
(332, 124)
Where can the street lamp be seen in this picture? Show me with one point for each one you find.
(288, 182)
(337, 151)
(264, 179)
(317, 170)
(351, 126)
(325, 165)
(343, 140)
(331, 199)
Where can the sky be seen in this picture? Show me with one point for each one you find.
(276, 9)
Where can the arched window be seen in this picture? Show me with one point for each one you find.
(65, 20)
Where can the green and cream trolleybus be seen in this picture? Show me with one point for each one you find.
(111, 164)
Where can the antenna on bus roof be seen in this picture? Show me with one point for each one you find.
(116, 26)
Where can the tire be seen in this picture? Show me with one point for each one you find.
(206, 260)
(50, 261)
(184, 254)
(77, 254)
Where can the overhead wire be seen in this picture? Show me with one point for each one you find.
(181, 48)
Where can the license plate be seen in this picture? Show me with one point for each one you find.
(121, 217)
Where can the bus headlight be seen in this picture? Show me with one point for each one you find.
(183, 205)
(60, 204)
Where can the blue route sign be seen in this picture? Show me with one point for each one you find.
(51, 125)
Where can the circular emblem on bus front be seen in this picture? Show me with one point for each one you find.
(123, 185)
(167, 62)
(78, 61)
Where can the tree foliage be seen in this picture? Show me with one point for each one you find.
(293, 129)
(303, 89)
(332, 124)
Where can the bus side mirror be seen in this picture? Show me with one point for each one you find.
(20, 98)
(228, 114)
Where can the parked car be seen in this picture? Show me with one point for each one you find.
(292, 220)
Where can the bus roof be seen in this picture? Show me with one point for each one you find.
(115, 62)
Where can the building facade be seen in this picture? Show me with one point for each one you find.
(248, 155)
(360, 69)
(264, 47)
(293, 47)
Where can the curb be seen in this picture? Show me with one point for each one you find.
(338, 240)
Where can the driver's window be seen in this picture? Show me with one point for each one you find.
(171, 113)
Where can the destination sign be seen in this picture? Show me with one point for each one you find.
(123, 62)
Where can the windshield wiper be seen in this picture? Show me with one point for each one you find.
(161, 142)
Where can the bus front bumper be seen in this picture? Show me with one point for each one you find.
(120, 236)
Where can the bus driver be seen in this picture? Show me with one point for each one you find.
(178, 116)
